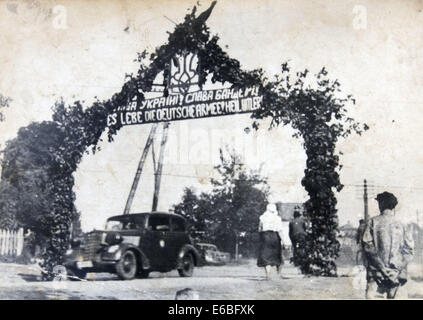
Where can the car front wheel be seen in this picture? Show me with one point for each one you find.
(126, 267)
(187, 268)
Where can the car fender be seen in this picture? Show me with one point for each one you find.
(142, 258)
(188, 248)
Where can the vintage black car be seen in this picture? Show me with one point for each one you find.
(211, 255)
(134, 245)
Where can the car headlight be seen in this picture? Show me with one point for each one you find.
(112, 239)
(113, 249)
(208, 256)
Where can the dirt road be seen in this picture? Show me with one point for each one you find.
(225, 282)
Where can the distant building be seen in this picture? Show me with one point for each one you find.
(286, 210)
(348, 230)
(347, 235)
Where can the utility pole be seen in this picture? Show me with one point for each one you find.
(158, 172)
(139, 169)
(236, 246)
(366, 207)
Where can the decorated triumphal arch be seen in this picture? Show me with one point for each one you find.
(312, 105)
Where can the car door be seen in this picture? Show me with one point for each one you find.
(177, 237)
(155, 243)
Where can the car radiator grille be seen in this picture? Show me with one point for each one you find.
(92, 245)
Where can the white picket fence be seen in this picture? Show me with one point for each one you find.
(11, 242)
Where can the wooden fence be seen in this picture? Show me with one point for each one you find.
(11, 242)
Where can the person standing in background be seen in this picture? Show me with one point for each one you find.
(270, 246)
(360, 257)
(360, 231)
(297, 234)
(388, 247)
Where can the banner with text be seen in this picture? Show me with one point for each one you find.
(193, 105)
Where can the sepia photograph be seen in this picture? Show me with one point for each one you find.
(211, 150)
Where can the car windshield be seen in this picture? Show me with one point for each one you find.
(208, 247)
(124, 223)
(114, 225)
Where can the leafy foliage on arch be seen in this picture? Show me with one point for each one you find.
(318, 112)
(44, 170)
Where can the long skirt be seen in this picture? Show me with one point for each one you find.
(270, 249)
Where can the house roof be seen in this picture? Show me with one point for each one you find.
(348, 226)
(286, 210)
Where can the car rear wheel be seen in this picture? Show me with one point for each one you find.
(126, 267)
(187, 268)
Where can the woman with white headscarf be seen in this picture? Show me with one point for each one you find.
(270, 247)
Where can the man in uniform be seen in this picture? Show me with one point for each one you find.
(388, 247)
(297, 234)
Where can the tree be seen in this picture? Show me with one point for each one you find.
(193, 208)
(8, 206)
(238, 198)
(36, 186)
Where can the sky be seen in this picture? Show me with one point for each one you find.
(80, 50)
